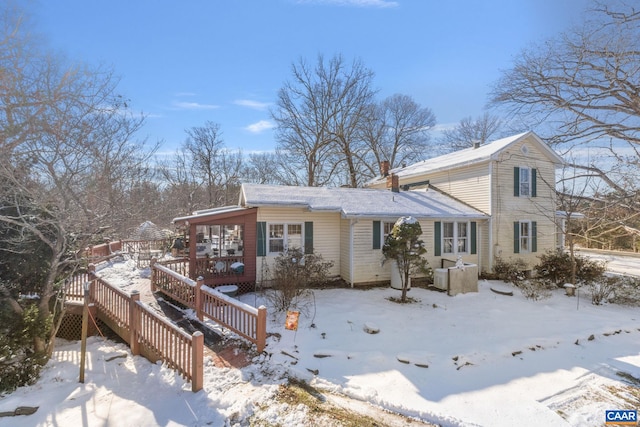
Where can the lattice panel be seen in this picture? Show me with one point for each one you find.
(71, 327)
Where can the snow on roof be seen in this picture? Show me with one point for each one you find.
(207, 212)
(360, 202)
(465, 157)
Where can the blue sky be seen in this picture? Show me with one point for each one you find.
(183, 63)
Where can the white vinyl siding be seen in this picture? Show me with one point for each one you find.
(326, 235)
(512, 208)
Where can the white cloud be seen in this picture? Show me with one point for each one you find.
(260, 126)
(256, 105)
(194, 106)
(357, 3)
(444, 126)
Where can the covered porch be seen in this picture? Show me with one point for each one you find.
(221, 246)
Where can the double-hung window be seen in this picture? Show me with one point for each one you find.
(282, 237)
(525, 237)
(387, 227)
(524, 181)
(381, 229)
(455, 237)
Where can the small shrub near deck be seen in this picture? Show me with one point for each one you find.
(294, 272)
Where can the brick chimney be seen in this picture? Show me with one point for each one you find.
(393, 182)
(384, 167)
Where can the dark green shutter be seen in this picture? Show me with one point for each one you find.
(474, 249)
(534, 236)
(516, 237)
(308, 237)
(376, 235)
(533, 183)
(516, 181)
(261, 231)
(437, 237)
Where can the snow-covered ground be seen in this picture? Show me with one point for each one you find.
(475, 359)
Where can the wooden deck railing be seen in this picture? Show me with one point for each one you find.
(247, 321)
(74, 288)
(160, 339)
(128, 246)
(146, 332)
(173, 284)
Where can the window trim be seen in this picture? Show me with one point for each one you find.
(522, 238)
(455, 239)
(285, 238)
(526, 171)
(379, 235)
(532, 176)
(531, 238)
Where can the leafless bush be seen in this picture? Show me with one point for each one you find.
(535, 290)
(601, 290)
(614, 289)
(293, 274)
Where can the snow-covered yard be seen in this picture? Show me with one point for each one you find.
(475, 359)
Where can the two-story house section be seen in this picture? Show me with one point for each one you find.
(511, 179)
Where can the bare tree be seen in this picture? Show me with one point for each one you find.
(470, 132)
(584, 82)
(581, 89)
(229, 166)
(181, 190)
(215, 170)
(203, 146)
(396, 130)
(266, 168)
(67, 154)
(353, 95)
(317, 117)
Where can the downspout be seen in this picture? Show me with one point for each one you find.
(352, 223)
(491, 213)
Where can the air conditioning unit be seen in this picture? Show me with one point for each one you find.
(441, 278)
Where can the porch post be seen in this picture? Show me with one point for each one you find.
(198, 297)
(134, 321)
(197, 358)
(192, 250)
(261, 325)
(154, 275)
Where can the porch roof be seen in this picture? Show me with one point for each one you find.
(203, 214)
(360, 202)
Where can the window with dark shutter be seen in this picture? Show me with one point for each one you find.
(261, 231)
(474, 244)
(308, 237)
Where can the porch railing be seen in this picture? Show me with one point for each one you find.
(247, 321)
(146, 333)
